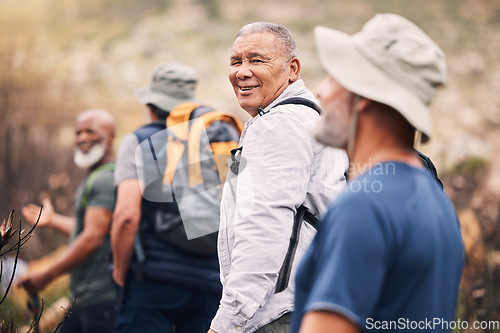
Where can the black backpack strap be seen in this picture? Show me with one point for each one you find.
(426, 161)
(148, 130)
(145, 133)
(294, 100)
(235, 164)
(286, 268)
(302, 213)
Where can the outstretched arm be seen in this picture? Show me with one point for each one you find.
(96, 225)
(49, 217)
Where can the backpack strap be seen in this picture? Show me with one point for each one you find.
(286, 268)
(178, 132)
(178, 120)
(426, 161)
(202, 123)
(90, 181)
(144, 133)
(294, 100)
(187, 136)
(302, 213)
(148, 130)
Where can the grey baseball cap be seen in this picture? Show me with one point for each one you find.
(391, 61)
(172, 84)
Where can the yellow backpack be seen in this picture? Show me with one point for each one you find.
(183, 182)
(187, 135)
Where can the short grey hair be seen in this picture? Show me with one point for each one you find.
(281, 33)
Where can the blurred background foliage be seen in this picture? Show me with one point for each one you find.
(60, 58)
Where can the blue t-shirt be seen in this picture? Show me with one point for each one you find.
(388, 256)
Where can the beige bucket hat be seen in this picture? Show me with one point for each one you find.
(391, 61)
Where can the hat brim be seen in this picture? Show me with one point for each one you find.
(146, 96)
(342, 60)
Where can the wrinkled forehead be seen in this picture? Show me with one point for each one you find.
(257, 42)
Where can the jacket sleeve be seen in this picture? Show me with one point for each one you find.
(277, 154)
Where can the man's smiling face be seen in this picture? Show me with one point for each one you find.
(260, 71)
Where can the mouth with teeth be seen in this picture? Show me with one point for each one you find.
(246, 88)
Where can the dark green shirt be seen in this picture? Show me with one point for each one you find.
(91, 282)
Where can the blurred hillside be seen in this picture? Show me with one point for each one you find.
(60, 58)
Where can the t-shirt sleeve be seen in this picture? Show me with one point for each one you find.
(126, 166)
(103, 191)
(351, 253)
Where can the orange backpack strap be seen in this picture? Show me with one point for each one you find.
(221, 151)
(218, 148)
(175, 150)
(178, 127)
(178, 119)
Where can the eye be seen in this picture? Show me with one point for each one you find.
(235, 62)
(257, 61)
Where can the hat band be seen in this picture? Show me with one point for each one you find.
(186, 91)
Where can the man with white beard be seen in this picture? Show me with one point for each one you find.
(390, 246)
(88, 255)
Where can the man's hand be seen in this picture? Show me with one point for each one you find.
(31, 213)
(211, 331)
(35, 282)
(49, 217)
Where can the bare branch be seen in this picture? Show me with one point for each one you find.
(26, 237)
(68, 312)
(15, 266)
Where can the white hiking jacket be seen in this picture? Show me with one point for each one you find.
(281, 168)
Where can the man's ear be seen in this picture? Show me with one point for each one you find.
(110, 139)
(364, 104)
(295, 66)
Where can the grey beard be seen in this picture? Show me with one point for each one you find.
(86, 160)
(335, 137)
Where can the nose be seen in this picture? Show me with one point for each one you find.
(81, 137)
(320, 90)
(83, 140)
(244, 71)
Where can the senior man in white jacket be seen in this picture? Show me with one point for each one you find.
(280, 182)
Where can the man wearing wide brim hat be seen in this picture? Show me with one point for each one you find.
(390, 246)
(172, 84)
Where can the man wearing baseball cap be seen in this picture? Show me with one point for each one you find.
(389, 254)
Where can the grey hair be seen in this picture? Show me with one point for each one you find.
(281, 33)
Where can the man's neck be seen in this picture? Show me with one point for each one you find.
(368, 154)
(106, 159)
